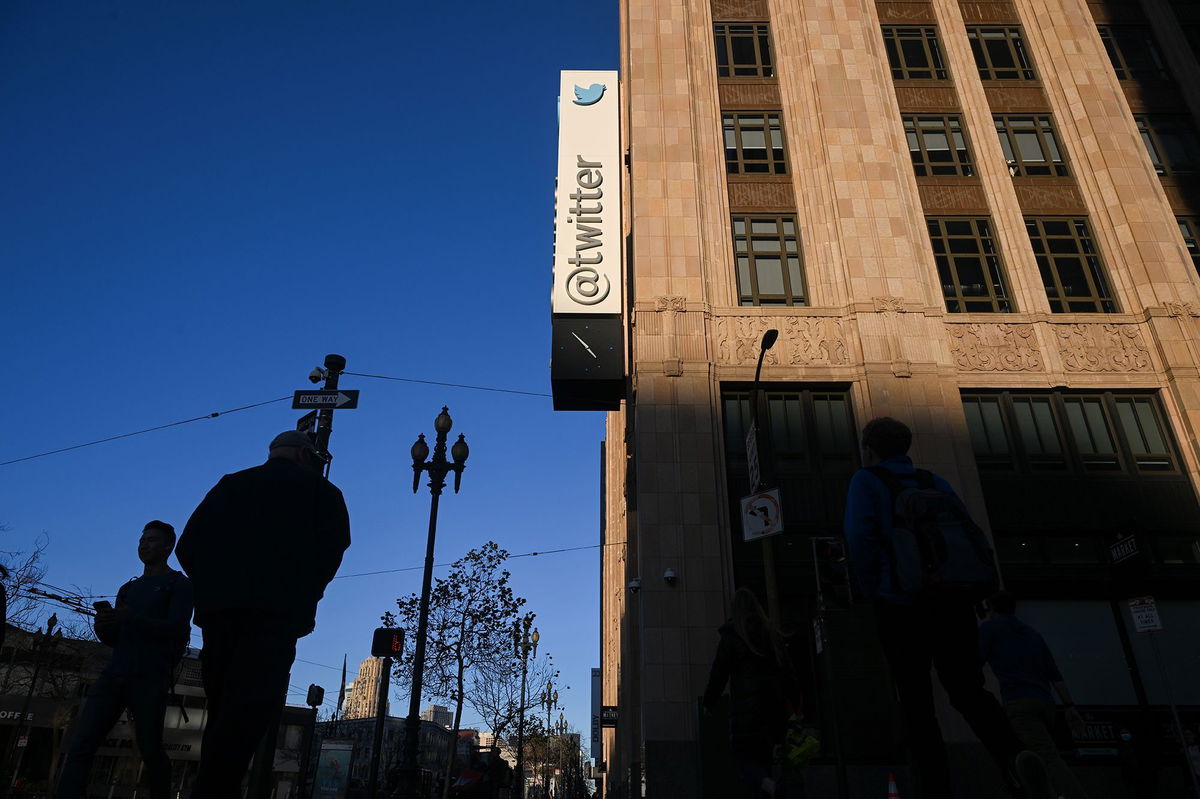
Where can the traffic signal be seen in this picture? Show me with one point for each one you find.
(833, 572)
(387, 642)
(316, 695)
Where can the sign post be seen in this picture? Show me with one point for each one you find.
(752, 456)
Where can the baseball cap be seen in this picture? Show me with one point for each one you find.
(293, 438)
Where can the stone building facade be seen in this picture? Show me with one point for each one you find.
(978, 217)
(362, 700)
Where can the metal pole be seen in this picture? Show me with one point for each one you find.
(521, 727)
(412, 725)
(334, 366)
(768, 546)
(380, 715)
(310, 735)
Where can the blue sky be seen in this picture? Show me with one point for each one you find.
(202, 199)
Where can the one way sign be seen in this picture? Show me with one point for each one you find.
(340, 399)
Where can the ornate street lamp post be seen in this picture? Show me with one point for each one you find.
(437, 467)
(523, 644)
(550, 700)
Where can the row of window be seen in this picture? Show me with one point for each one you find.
(1026, 432)
(769, 269)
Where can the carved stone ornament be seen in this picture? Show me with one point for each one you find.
(1102, 348)
(814, 340)
(893, 304)
(1182, 309)
(994, 348)
(740, 9)
(803, 341)
(676, 304)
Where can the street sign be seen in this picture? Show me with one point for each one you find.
(608, 716)
(342, 399)
(762, 515)
(1123, 549)
(307, 423)
(22, 741)
(387, 642)
(1145, 614)
(752, 456)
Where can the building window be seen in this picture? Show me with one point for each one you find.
(1069, 431)
(1133, 53)
(1070, 265)
(1030, 146)
(968, 265)
(744, 50)
(1189, 228)
(1000, 54)
(914, 53)
(753, 143)
(938, 146)
(766, 250)
(1171, 142)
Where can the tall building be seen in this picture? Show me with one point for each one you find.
(362, 700)
(439, 715)
(978, 216)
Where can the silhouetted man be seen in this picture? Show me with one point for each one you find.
(918, 630)
(1026, 670)
(148, 631)
(260, 549)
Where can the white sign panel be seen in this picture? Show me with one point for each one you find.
(762, 515)
(587, 213)
(1145, 614)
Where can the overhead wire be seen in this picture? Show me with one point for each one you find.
(451, 385)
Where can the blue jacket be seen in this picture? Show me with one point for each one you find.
(868, 519)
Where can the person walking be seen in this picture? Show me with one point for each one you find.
(148, 631)
(261, 548)
(918, 628)
(1025, 668)
(752, 660)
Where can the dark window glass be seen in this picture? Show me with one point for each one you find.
(1133, 53)
(743, 50)
(1000, 54)
(968, 264)
(766, 251)
(914, 53)
(753, 143)
(1030, 146)
(1171, 142)
(938, 145)
(1189, 228)
(1069, 431)
(1070, 265)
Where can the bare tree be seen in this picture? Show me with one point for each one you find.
(495, 693)
(471, 611)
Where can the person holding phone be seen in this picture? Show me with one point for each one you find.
(149, 631)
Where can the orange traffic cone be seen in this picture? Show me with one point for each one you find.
(893, 791)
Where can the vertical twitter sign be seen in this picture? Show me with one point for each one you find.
(587, 366)
(587, 224)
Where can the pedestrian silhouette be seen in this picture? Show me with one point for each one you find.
(923, 620)
(1023, 664)
(260, 549)
(752, 660)
(148, 631)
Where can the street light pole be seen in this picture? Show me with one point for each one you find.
(40, 644)
(523, 642)
(768, 341)
(437, 467)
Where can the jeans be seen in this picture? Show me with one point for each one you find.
(942, 633)
(107, 699)
(245, 664)
(1031, 719)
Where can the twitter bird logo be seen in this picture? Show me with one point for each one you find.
(589, 96)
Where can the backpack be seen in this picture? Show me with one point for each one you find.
(935, 547)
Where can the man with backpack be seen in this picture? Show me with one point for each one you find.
(917, 554)
(148, 631)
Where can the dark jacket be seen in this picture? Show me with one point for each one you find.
(266, 541)
(155, 633)
(761, 692)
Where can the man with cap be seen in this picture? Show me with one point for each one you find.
(260, 549)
